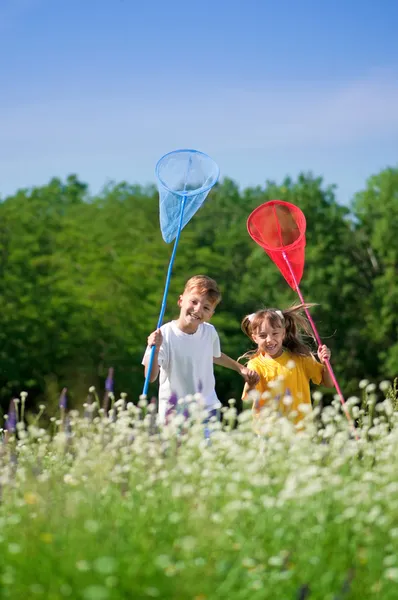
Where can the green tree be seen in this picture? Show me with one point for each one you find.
(376, 222)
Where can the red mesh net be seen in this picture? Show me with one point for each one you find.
(279, 228)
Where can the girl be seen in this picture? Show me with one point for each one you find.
(283, 361)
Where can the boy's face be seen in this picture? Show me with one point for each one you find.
(195, 308)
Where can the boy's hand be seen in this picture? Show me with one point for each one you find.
(251, 377)
(324, 354)
(155, 339)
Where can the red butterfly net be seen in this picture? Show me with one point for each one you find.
(279, 228)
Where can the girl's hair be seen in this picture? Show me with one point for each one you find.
(292, 319)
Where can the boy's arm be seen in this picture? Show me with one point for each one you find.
(246, 391)
(248, 375)
(155, 366)
(155, 339)
(227, 361)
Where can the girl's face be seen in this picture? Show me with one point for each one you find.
(269, 339)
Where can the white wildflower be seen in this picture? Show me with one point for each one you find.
(248, 563)
(317, 396)
(162, 561)
(276, 561)
(105, 565)
(187, 543)
(37, 589)
(174, 517)
(83, 566)
(384, 385)
(391, 573)
(7, 578)
(304, 408)
(152, 592)
(287, 400)
(95, 592)
(65, 590)
(91, 526)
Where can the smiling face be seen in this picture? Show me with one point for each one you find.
(269, 339)
(195, 308)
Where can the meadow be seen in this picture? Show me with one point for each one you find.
(103, 505)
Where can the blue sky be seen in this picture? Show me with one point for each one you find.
(103, 88)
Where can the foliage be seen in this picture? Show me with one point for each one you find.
(82, 279)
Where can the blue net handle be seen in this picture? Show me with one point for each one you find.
(179, 200)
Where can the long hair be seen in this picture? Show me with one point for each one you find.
(292, 319)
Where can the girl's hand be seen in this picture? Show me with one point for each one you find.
(324, 354)
(155, 339)
(251, 377)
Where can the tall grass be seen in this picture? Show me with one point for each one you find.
(106, 506)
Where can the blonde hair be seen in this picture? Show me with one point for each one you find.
(291, 319)
(204, 285)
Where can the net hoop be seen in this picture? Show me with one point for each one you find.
(188, 193)
(284, 247)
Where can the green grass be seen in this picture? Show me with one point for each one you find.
(106, 508)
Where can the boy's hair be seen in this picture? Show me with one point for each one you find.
(204, 285)
(292, 319)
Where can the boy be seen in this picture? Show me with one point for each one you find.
(186, 349)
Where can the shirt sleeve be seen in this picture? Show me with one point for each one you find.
(313, 369)
(216, 345)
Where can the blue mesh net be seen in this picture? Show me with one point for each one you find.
(188, 174)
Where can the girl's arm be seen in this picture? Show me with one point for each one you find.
(324, 354)
(327, 381)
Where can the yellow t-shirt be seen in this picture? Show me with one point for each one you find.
(287, 380)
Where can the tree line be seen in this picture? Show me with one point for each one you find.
(82, 279)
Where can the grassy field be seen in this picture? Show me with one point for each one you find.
(106, 507)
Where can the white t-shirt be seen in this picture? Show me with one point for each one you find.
(186, 364)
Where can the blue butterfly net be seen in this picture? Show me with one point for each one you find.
(188, 174)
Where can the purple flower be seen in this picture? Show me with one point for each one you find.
(109, 381)
(171, 405)
(186, 412)
(11, 422)
(63, 399)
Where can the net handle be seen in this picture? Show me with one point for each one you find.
(165, 293)
(319, 342)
